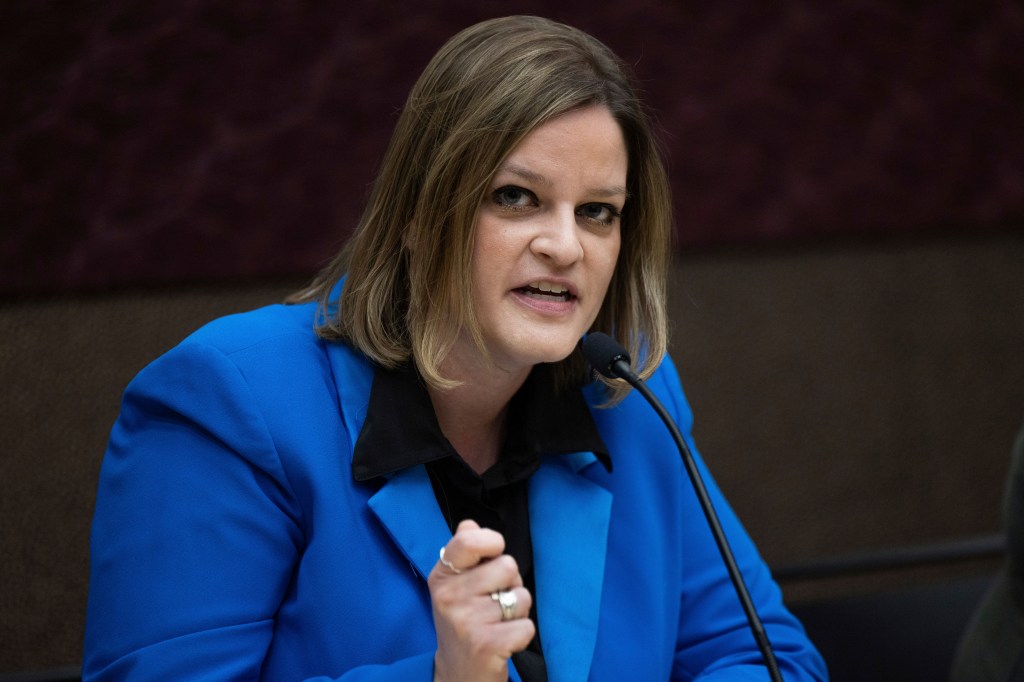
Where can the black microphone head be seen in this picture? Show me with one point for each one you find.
(602, 352)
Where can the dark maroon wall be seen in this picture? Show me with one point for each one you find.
(169, 141)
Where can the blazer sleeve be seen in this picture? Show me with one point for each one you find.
(196, 532)
(714, 642)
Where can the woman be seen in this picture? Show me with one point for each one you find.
(408, 473)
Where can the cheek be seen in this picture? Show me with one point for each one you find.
(496, 250)
(486, 245)
(606, 257)
(613, 258)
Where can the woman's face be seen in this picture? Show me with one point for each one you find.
(547, 238)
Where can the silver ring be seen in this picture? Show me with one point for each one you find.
(507, 601)
(449, 565)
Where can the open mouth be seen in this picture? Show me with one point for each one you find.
(544, 291)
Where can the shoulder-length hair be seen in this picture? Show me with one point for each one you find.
(407, 290)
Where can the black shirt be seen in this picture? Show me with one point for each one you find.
(401, 431)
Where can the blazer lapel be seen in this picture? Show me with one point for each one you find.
(405, 504)
(408, 510)
(569, 527)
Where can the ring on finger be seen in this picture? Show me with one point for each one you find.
(507, 600)
(449, 565)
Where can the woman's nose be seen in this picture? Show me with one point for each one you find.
(557, 239)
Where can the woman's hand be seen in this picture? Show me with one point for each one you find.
(474, 642)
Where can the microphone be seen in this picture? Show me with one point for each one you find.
(609, 358)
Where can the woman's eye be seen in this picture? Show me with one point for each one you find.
(599, 213)
(513, 197)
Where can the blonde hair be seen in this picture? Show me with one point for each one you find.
(407, 265)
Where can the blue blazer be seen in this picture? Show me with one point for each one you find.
(230, 540)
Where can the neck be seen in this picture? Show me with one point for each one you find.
(472, 415)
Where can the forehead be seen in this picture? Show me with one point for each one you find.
(586, 145)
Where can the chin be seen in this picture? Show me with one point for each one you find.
(555, 352)
(534, 347)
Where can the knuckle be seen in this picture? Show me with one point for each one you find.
(495, 536)
(529, 630)
(443, 595)
(508, 566)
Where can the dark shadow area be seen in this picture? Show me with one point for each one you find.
(905, 636)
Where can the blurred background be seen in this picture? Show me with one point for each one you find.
(847, 290)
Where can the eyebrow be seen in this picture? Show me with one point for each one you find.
(537, 178)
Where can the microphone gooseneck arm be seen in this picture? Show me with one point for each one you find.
(611, 360)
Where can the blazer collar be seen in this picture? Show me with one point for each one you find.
(353, 378)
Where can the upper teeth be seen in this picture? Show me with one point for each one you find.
(546, 286)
